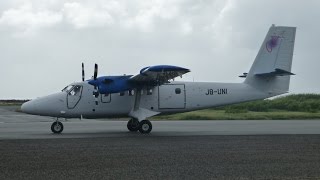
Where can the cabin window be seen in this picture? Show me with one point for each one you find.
(149, 91)
(178, 91)
(105, 98)
(122, 93)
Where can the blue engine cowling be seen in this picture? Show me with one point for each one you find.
(112, 84)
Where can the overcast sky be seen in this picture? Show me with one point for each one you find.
(42, 43)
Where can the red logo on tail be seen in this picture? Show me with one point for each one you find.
(272, 43)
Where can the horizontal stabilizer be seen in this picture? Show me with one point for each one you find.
(276, 72)
(244, 75)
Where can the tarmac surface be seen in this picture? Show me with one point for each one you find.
(104, 149)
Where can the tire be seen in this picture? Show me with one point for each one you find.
(145, 127)
(57, 127)
(133, 125)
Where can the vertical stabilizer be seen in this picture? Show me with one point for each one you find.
(271, 69)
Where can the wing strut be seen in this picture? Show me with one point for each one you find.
(140, 113)
(137, 98)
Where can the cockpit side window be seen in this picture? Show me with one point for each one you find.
(76, 91)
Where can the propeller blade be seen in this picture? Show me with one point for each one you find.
(95, 71)
(96, 92)
(82, 72)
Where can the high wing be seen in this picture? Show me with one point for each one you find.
(148, 76)
(157, 75)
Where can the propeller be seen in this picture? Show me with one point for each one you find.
(95, 71)
(82, 72)
(95, 92)
(93, 82)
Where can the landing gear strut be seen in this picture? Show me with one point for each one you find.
(57, 127)
(137, 114)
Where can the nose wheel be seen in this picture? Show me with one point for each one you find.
(57, 127)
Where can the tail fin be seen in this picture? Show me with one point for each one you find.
(271, 69)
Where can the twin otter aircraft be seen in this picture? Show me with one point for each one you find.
(151, 92)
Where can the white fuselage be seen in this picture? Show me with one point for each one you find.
(173, 97)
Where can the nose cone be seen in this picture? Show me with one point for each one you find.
(51, 105)
(28, 107)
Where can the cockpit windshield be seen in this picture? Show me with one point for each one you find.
(68, 88)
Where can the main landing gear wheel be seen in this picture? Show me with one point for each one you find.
(57, 127)
(133, 125)
(145, 127)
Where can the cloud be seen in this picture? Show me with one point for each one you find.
(82, 16)
(186, 28)
(219, 25)
(217, 40)
(26, 19)
(141, 15)
(146, 14)
(176, 16)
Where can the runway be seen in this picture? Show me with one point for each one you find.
(104, 149)
(14, 125)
